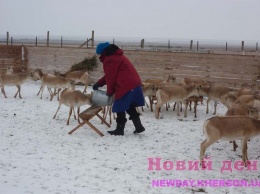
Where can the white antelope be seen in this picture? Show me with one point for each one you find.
(16, 79)
(76, 76)
(73, 98)
(52, 81)
(174, 93)
(229, 128)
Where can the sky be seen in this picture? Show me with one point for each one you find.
(171, 19)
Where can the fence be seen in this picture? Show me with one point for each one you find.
(235, 70)
(174, 45)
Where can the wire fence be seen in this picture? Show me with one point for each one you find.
(128, 43)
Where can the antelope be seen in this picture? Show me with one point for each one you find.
(229, 128)
(148, 90)
(197, 81)
(245, 91)
(251, 100)
(52, 81)
(73, 98)
(76, 76)
(158, 82)
(194, 99)
(16, 79)
(241, 109)
(175, 93)
(215, 92)
(189, 101)
(9, 70)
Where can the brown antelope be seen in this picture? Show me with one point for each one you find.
(242, 109)
(9, 70)
(76, 76)
(148, 90)
(197, 81)
(245, 91)
(174, 93)
(52, 81)
(229, 128)
(195, 99)
(216, 92)
(158, 82)
(73, 98)
(16, 79)
(251, 100)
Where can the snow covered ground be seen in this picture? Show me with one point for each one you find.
(38, 156)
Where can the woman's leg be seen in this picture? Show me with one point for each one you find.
(121, 120)
(135, 117)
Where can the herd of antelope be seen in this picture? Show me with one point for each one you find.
(54, 83)
(239, 122)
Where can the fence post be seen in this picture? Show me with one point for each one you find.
(197, 45)
(169, 44)
(92, 45)
(256, 47)
(36, 41)
(226, 46)
(191, 44)
(242, 46)
(61, 41)
(7, 38)
(48, 36)
(142, 43)
(87, 42)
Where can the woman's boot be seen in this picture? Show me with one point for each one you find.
(119, 127)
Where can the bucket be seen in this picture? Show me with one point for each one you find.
(100, 98)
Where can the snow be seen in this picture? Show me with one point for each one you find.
(38, 155)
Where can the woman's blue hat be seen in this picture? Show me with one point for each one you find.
(101, 47)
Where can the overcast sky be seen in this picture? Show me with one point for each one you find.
(180, 19)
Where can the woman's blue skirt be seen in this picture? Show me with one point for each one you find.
(134, 97)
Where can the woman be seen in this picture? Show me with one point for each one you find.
(124, 83)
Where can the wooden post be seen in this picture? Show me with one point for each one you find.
(197, 45)
(92, 45)
(142, 43)
(169, 44)
(243, 46)
(48, 37)
(7, 38)
(256, 47)
(61, 41)
(191, 44)
(36, 41)
(226, 46)
(87, 42)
